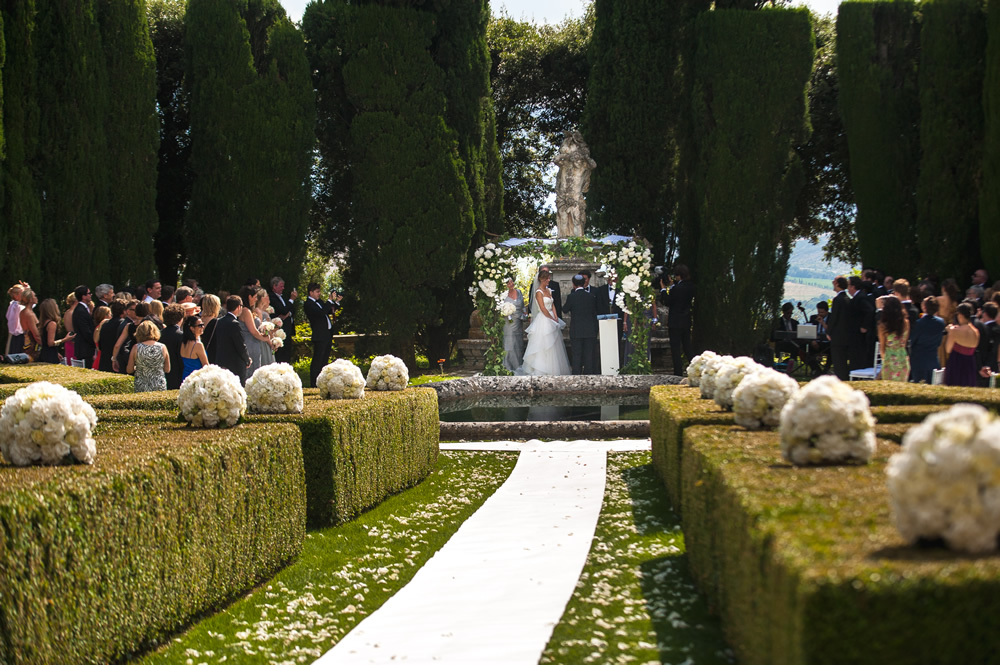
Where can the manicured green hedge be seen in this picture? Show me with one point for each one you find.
(98, 562)
(804, 565)
(83, 381)
(895, 393)
(161, 400)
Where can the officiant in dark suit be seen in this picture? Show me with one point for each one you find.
(230, 349)
(319, 314)
(284, 315)
(83, 326)
(582, 308)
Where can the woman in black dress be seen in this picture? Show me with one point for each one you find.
(49, 325)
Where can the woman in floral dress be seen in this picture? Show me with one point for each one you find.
(893, 331)
(149, 360)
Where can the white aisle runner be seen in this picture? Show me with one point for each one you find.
(495, 591)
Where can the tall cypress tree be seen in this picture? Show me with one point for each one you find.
(3, 56)
(133, 138)
(989, 192)
(748, 111)
(20, 211)
(877, 52)
(72, 163)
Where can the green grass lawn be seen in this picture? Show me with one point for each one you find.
(635, 601)
(344, 573)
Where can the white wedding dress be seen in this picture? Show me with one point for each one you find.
(546, 351)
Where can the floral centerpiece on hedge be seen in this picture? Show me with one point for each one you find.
(275, 388)
(827, 421)
(212, 397)
(708, 372)
(946, 481)
(697, 365)
(760, 397)
(45, 423)
(388, 373)
(341, 379)
(729, 376)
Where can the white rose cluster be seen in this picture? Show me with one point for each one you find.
(341, 379)
(388, 373)
(827, 421)
(729, 376)
(697, 365)
(630, 260)
(212, 397)
(946, 481)
(43, 423)
(507, 309)
(760, 397)
(275, 388)
(708, 372)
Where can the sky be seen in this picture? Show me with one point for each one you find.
(549, 11)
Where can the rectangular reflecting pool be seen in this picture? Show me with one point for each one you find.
(518, 408)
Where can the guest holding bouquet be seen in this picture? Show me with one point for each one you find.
(258, 345)
(513, 327)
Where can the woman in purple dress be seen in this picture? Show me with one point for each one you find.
(960, 344)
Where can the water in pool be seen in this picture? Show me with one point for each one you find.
(521, 408)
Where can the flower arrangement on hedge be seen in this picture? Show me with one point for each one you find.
(946, 481)
(760, 397)
(729, 376)
(45, 423)
(341, 379)
(275, 388)
(696, 366)
(708, 372)
(388, 373)
(827, 421)
(212, 397)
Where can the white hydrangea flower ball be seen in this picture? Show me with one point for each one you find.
(708, 372)
(212, 397)
(696, 366)
(760, 397)
(729, 377)
(275, 388)
(43, 423)
(827, 421)
(946, 481)
(341, 379)
(388, 373)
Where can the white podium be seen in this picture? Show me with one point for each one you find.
(608, 339)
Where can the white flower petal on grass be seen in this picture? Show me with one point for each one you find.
(827, 421)
(44, 422)
(341, 379)
(275, 388)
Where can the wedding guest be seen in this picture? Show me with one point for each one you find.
(83, 326)
(149, 360)
(513, 328)
(258, 345)
(15, 334)
(893, 332)
(861, 321)
(109, 333)
(102, 314)
(68, 325)
(171, 337)
(284, 314)
(839, 329)
(135, 313)
(231, 351)
(960, 343)
(210, 311)
(193, 354)
(49, 353)
(104, 293)
(678, 301)
(153, 290)
(988, 343)
(156, 313)
(183, 295)
(29, 323)
(901, 289)
(261, 316)
(319, 314)
(166, 295)
(819, 347)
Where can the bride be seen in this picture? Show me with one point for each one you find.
(546, 352)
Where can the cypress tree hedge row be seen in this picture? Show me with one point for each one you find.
(748, 110)
(989, 192)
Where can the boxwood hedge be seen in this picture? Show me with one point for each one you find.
(97, 562)
(804, 565)
(83, 381)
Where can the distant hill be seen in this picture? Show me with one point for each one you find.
(809, 275)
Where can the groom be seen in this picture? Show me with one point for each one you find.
(582, 307)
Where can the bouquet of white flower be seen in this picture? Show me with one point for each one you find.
(729, 377)
(44, 423)
(697, 365)
(758, 400)
(708, 372)
(212, 397)
(827, 421)
(266, 328)
(388, 373)
(280, 334)
(276, 343)
(275, 388)
(507, 309)
(946, 481)
(341, 379)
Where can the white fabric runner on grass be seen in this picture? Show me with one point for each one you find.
(499, 586)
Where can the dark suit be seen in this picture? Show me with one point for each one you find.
(606, 305)
(840, 337)
(230, 349)
(993, 338)
(281, 307)
(556, 297)
(582, 307)
(83, 325)
(983, 348)
(322, 335)
(911, 311)
(861, 315)
(678, 299)
(785, 343)
(106, 343)
(172, 338)
(925, 338)
(821, 345)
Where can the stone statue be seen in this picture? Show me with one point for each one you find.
(575, 164)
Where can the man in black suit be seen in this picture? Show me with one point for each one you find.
(678, 301)
(988, 351)
(105, 293)
(230, 349)
(817, 348)
(83, 326)
(606, 305)
(284, 316)
(839, 331)
(319, 314)
(901, 289)
(861, 322)
(554, 288)
(601, 307)
(172, 338)
(582, 308)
